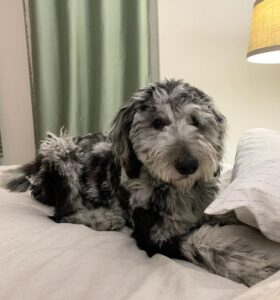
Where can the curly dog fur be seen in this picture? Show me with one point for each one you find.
(156, 172)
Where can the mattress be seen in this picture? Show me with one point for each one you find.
(40, 259)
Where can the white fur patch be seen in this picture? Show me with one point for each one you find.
(101, 147)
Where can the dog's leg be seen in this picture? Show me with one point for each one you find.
(57, 181)
(229, 257)
(58, 184)
(100, 219)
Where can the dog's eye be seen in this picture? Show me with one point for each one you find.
(194, 121)
(158, 123)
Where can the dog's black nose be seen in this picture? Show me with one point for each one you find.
(187, 165)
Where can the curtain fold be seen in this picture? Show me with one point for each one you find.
(1, 150)
(87, 58)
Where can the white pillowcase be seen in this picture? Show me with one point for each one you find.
(254, 191)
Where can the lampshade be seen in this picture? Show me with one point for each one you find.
(264, 45)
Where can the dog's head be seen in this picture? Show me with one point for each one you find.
(173, 130)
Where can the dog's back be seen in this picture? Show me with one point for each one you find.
(57, 168)
(75, 175)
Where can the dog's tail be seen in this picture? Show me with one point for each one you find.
(18, 179)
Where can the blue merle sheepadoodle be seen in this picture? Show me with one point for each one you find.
(156, 172)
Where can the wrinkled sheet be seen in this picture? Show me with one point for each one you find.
(40, 259)
(268, 289)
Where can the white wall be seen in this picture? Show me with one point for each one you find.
(205, 43)
(15, 102)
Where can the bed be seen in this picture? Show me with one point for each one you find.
(40, 259)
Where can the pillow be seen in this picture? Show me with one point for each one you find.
(254, 191)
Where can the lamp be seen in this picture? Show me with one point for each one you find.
(264, 45)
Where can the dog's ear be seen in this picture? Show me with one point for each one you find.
(221, 125)
(121, 144)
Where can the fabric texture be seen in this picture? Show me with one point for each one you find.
(255, 185)
(40, 259)
(87, 57)
(268, 289)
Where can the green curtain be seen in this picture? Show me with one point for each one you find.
(87, 57)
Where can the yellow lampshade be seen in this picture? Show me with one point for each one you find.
(264, 46)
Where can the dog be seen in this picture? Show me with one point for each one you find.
(156, 171)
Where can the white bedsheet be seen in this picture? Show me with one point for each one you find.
(40, 259)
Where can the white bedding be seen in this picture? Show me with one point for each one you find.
(40, 259)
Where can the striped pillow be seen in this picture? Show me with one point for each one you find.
(254, 191)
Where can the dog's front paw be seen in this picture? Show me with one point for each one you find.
(229, 257)
(246, 265)
(113, 224)
(257, 267)
(99, 220)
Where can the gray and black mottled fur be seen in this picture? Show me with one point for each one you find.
(156, 172)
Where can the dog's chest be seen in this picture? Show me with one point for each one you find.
(177, 216)
(161, 211)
